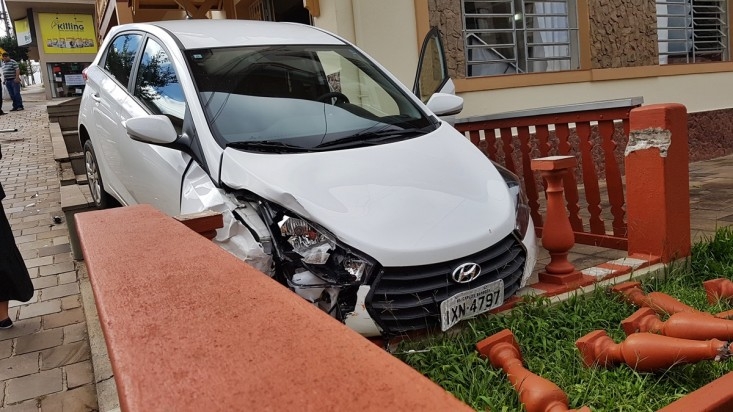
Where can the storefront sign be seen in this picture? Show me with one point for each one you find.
(23, 32)
(67, 33)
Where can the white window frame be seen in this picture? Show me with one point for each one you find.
(551, 46)
(692, 31)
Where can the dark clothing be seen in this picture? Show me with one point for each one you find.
(15, 282)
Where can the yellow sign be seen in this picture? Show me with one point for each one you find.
(67, 33)
(23, 32)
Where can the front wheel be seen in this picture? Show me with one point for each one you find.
(94, 178)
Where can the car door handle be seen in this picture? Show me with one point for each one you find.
(96, 97)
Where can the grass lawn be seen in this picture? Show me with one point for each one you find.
(547, 333)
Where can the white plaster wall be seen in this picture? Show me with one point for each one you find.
(698, 92)
(384, 29)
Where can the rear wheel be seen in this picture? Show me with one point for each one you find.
(94, 178)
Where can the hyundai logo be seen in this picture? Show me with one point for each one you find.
(466, 272)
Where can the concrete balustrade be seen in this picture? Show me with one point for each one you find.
(189, 327)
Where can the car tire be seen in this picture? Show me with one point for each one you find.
(94, 177)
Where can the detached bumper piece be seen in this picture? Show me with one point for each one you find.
(404, 299)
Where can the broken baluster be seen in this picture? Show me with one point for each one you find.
(648, 352)
(537, 394)
(660, 302)
(685, 325)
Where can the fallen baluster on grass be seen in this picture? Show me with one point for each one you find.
(648, 352)
(719, 289)
(660, 302)
(536, 393)
(685, 325)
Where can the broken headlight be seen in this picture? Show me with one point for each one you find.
(521, 206)
(320, 254)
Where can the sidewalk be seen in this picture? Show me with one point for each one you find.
(45, 359)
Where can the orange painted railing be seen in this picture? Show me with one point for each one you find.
(596, 133)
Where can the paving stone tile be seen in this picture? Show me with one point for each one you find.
(71, 302)
(31, 386)
(67, 277)
(67, 317)
(64, 257)
(54, 250)
(82, 399)
(2, 393)
(6, 349)
(55, 268)
(60, 291)
(75, 333)
(60, 240)
(40, 309)
(27, 406)
(41, 261)
(19, 365)
(21, 328)
(39, 341)
(45, 282)
(65, 355)
(79, 374)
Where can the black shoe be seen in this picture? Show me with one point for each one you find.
(6, 324)
(2, 112)
(16, 109)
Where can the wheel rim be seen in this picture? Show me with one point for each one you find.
(93, 177)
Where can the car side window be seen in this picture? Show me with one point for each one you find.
(121, 55)
(157, 85)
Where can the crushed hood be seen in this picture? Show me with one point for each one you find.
(423, 200)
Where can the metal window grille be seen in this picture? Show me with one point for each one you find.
(691, 31)
(520, 36)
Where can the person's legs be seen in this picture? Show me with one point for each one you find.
(18, 99)
(14, 91)
(9, 88)
(5, 321)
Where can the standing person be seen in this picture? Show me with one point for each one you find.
(15, 282)
(11, 77)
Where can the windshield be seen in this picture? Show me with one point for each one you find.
(301, 97)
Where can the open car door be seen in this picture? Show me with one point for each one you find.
(432, 84)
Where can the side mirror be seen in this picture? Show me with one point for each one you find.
(154, 129)
(444, 104)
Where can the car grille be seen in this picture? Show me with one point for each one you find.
(405, 299)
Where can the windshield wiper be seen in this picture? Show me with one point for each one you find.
(378, 136)
(268, 146)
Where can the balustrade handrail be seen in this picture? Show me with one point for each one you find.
(596, 133)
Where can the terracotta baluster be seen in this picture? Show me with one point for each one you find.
(537, 394)
(662, 303)
(648, 352)
(717, 289)
(685, 325)
(557, 233)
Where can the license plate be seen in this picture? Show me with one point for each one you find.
(470, 303)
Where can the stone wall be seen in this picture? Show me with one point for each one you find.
(710, 134)
(446, 15)
(623, 33)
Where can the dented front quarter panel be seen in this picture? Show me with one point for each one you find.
(199, 193)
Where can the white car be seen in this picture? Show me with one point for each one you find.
(333, 177)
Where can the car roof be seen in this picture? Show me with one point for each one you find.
(205, 33)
